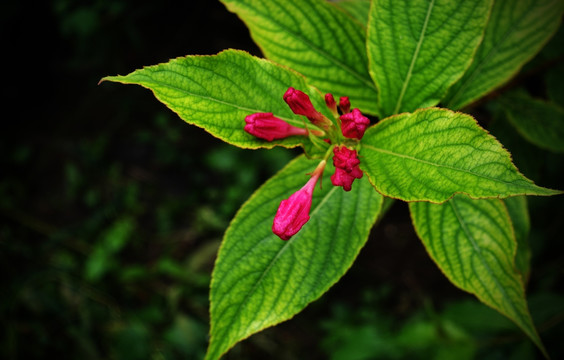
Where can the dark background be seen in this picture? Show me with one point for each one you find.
(112, 210)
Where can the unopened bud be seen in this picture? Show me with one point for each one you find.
(346, 167)
(344, 104)
(268, 127)
(354, 124)
(293, 212)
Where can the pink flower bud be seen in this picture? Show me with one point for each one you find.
(354, 124)
(343, 178)
(331, 103)
(268, 127)
(346, 167)
(293, 212)
(300, 104)
(344, 158)
(344, 104)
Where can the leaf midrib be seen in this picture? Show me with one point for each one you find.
(483, 261)
(320, 51)
(199, 96)
(414, 57)
(403, 156)
(274, 260)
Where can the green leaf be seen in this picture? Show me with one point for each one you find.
(519, 214)
(217, 92)
(433, 153)
(357, 9)
(531, 160)
(418, 49)
(473, 244)
(516, 31)
(539, 122)
(260, 280)
(317, 40)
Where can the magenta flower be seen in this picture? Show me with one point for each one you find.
(346, 167)
(293, 212)
(344, 158)
(269, 127)
(300, 104)
(344, 104)
(331, 103)
(354, 124)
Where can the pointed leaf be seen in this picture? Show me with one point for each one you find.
(433, 153)
(473, 244)
(539, 122)
(516, 31)
(315, 39)
(217, 92)
(418, 49)
(357, 9)
(260, 280)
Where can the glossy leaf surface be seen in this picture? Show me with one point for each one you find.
(217, 92)
(357, 9)
(418, 49)
(260, 280)
(433, 153)
(316, 39)
(472, 242)
(516, 31)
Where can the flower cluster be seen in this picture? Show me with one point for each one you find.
(343, 135)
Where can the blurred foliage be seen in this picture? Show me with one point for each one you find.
(112, 211)
(464, 329)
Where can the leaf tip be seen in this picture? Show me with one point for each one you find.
(542, 191)
(108, 78)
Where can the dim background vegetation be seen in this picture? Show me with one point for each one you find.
(112, 210)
